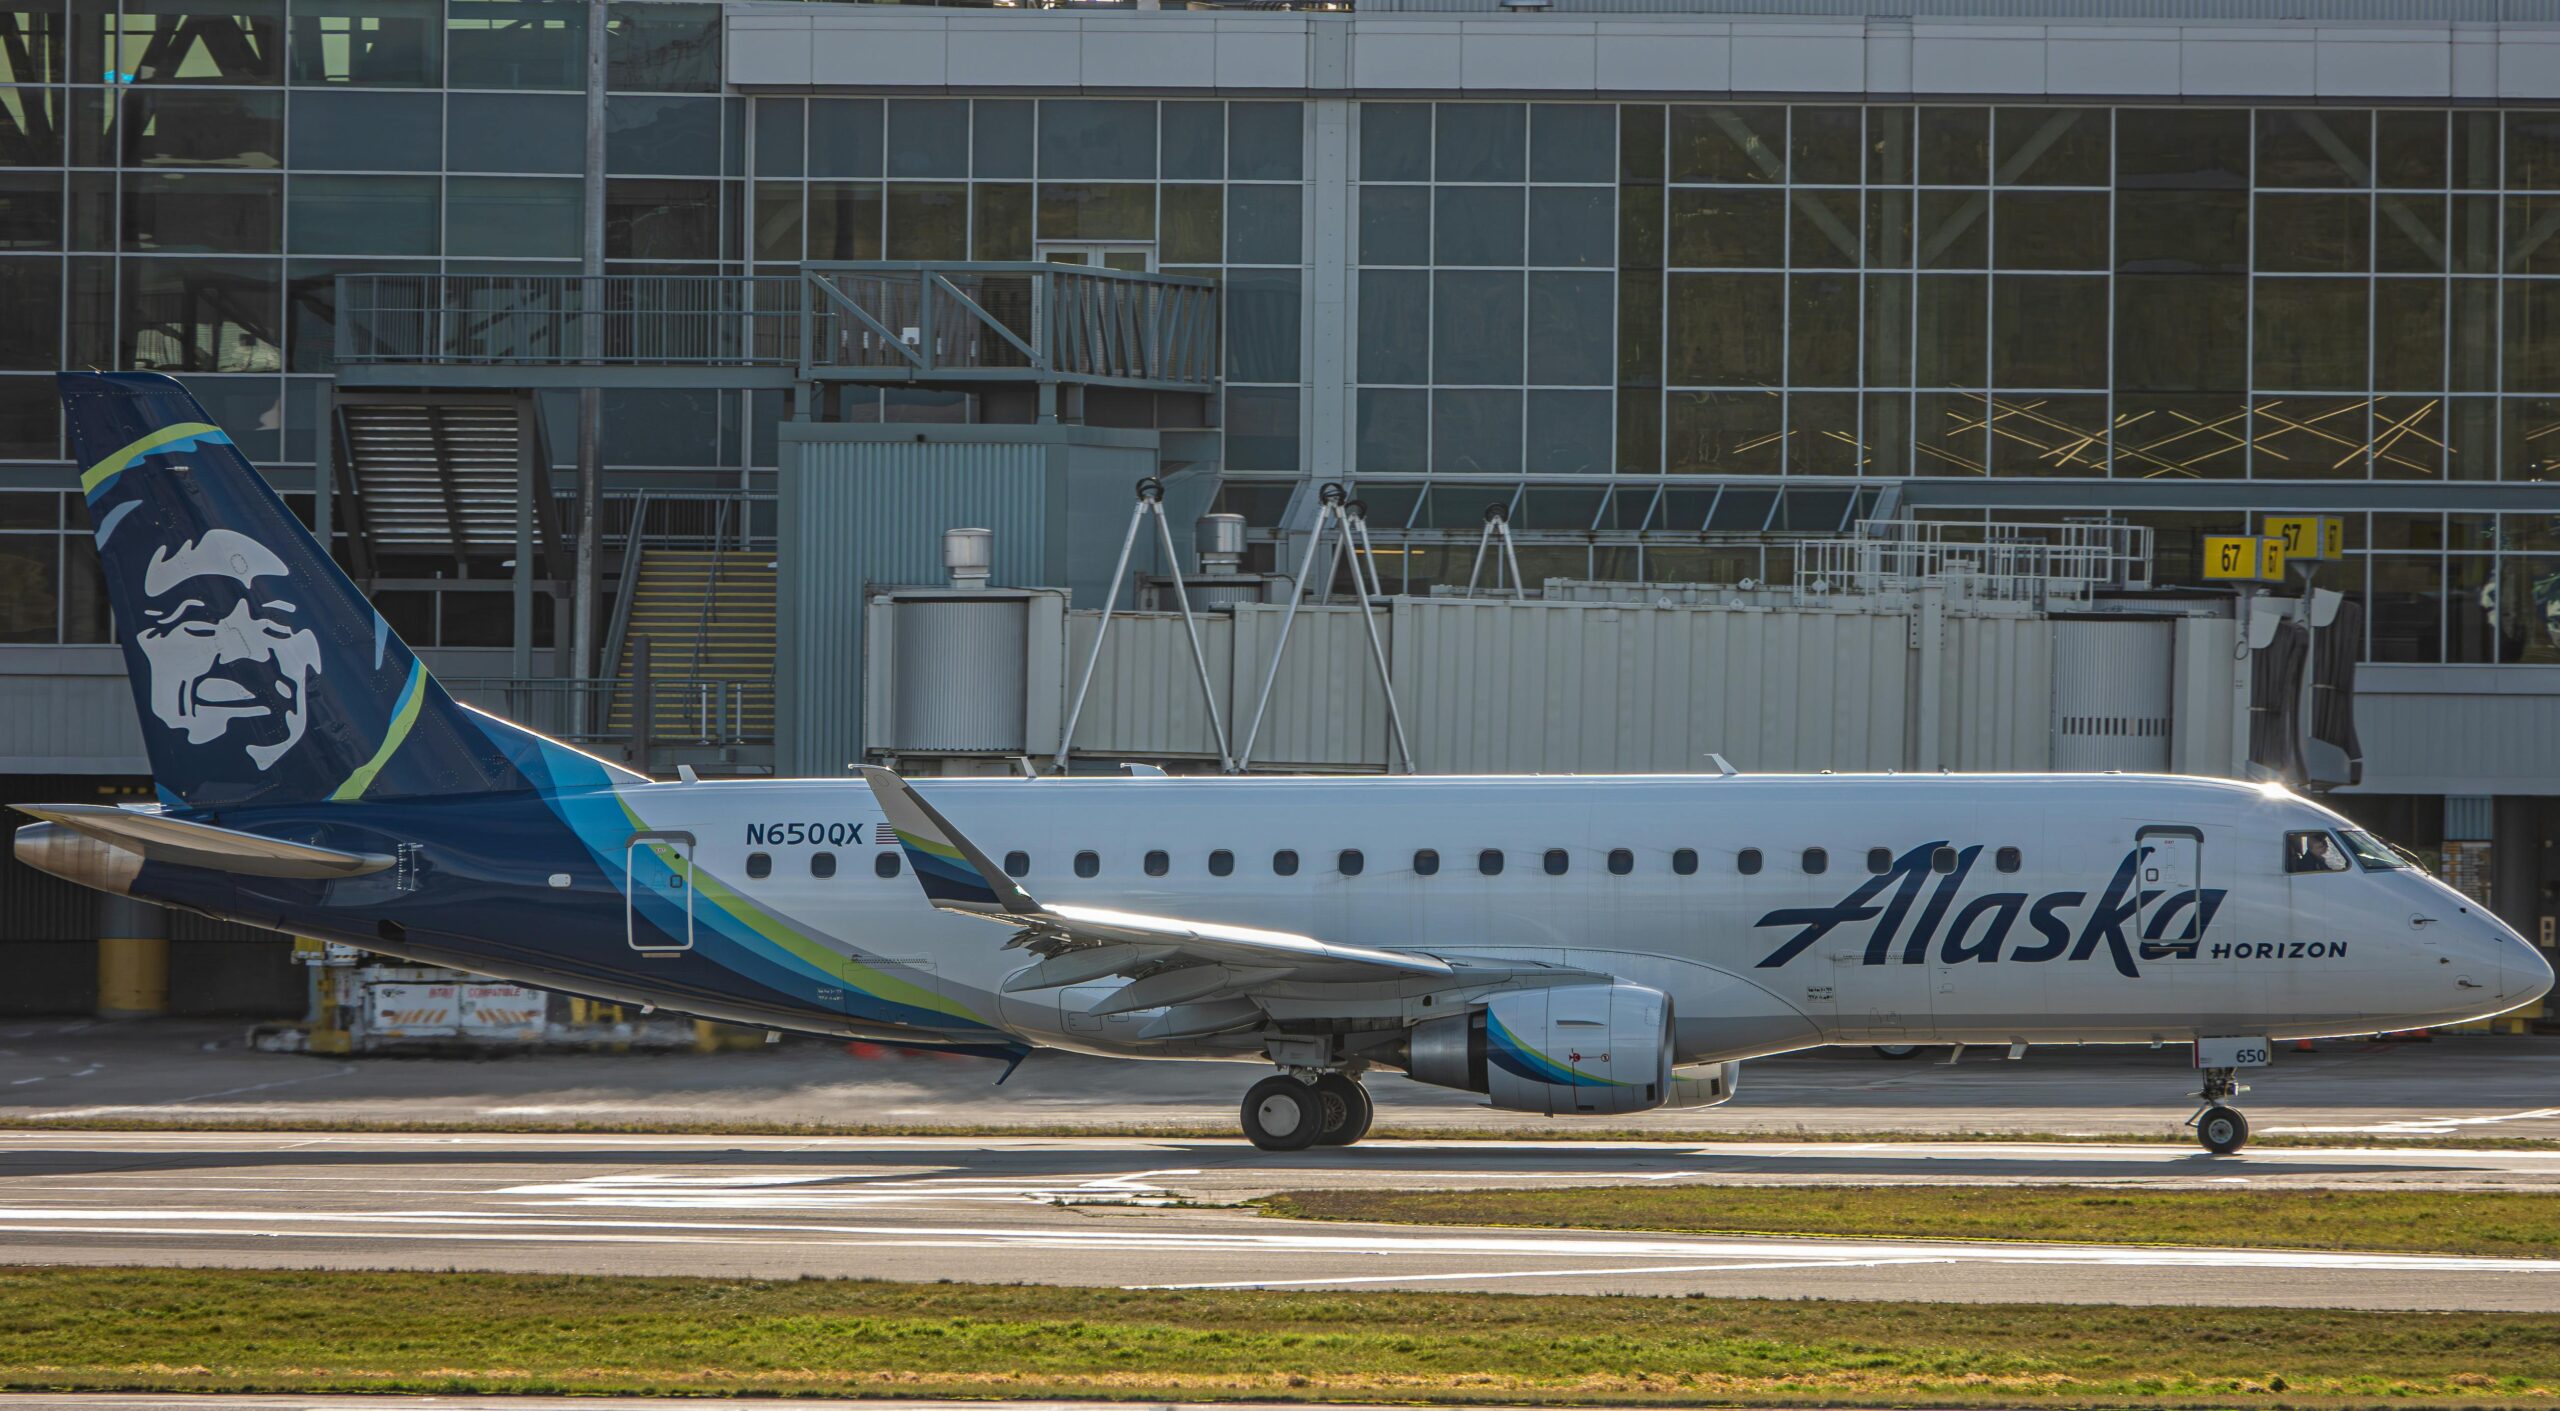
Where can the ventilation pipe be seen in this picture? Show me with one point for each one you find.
(1220, 539)
(968, 554)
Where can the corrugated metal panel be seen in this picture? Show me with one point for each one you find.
(860, 514)
(1999, 681)
(2458, 744)
(1327, 709)
(2111, 705)
(1562, 687)
(2470, 818)
(961, 670)
(1146, 689)
(69, 724)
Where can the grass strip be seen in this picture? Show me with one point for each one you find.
(2510, 1224)
(248, 1331)
(1563, 1131)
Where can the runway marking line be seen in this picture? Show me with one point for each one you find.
(1547, 1274)
(1085, 1236)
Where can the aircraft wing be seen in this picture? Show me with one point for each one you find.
(176, 840)
(1177, 959)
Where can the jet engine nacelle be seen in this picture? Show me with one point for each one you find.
(1567, 1049)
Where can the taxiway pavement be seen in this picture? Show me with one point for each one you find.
(1144, 1213)
(180, 1071)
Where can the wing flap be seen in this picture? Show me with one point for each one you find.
(175, 840)
(958, 877)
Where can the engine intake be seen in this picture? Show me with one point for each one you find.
(1566, 1049)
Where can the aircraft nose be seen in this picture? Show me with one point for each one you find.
(2525, 970)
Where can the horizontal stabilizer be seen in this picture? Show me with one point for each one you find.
(161, 838)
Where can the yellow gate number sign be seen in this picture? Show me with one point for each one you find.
(2308, 536)
(2231, 556)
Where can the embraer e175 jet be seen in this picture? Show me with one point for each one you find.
(1588, 945)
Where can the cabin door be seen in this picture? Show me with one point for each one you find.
(657, 891)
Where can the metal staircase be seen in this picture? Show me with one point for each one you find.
(707, 615)
(439, 475)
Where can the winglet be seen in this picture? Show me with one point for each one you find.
(956, 876)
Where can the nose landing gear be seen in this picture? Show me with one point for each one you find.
(2220, 1128)
(1298, 1109)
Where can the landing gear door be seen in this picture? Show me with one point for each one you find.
(2171, 878)
(657, 891)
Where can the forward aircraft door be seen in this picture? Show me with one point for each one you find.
(2172, 879)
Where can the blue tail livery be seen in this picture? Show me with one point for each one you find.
(261, 673)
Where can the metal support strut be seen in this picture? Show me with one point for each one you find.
(1334, 512)
(1150, 505)
(1497, 528)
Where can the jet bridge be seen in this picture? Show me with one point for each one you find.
(1900, 647)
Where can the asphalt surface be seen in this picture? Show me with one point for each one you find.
(197, 1070)
(1129, 1212)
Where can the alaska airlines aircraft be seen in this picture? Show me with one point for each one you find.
(1560, 945)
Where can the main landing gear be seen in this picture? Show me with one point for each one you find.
(1301, 1108)
(2219, 1126)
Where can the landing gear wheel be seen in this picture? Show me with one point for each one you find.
(1283, 1114)
(1347, 1110)
(2222, 1129)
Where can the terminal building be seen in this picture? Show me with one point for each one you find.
(1694, 291)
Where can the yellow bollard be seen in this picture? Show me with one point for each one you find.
(133, 976)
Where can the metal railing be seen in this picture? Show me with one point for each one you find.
(982, 319)
(2020, 562)
(554, 319)
(868, 321)
(682, 519)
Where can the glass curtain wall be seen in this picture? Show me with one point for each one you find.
(1204, 188)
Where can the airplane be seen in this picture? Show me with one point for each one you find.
(1590, 945)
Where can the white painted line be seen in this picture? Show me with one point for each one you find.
(1550, 1273)
(1080, 1235)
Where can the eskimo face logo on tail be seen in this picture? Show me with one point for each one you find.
(1900, 926)
(229, 662)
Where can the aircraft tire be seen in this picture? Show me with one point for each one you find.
(1347, 1110)
(2222, 1130)
(1283, 1114)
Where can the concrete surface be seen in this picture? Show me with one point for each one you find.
(2458, 1084)
(1127, 1211)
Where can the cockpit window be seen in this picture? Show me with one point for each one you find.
(2313, 851)
(2372, 854)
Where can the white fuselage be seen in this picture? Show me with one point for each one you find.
(2105, 908)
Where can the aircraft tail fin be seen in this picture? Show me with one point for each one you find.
(262, 674)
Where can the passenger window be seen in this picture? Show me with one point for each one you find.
(1557, 861)
(822, 864)
(2313, 851)
(1285, 862)
(1621, 862)
(1088, 864)
(1017, 863)
(1816, 862)
(1426, 862)
(884, 865)
(1685, 861)
(2007, 860)
(1747, 862)
(1942, 860)
(1489, 862)
(1879, 860)
(1157, 864)
(1222, 863)
(759, 864)
(1350, 862)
